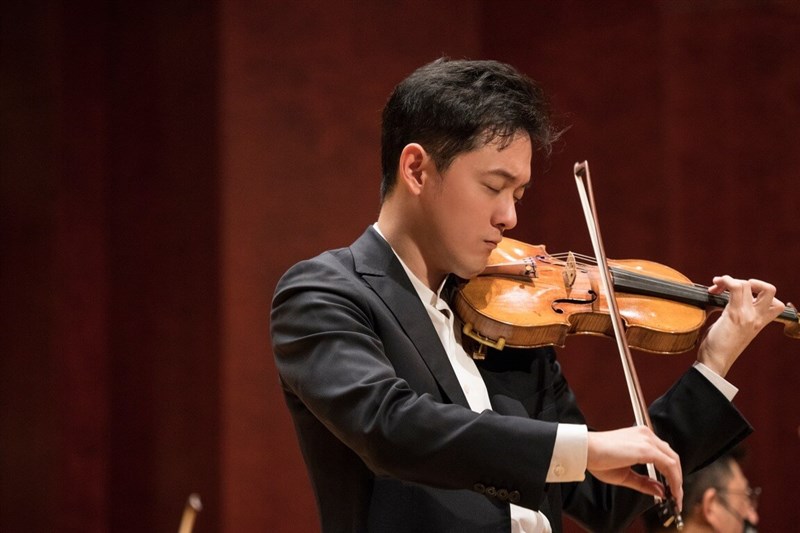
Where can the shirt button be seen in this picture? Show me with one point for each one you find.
(558, 470)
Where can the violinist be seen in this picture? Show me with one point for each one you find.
(403, 431)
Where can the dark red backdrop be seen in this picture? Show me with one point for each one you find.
(164, 163)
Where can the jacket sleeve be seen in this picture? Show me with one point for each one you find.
(697, 421)
(328, 333)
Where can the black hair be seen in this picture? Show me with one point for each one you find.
(455, 106)
(715, 475)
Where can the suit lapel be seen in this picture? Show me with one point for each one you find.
(377, 264)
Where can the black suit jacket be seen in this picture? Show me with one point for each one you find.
(386, 431)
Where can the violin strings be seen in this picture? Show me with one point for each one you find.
(689, 292)
(696, 294)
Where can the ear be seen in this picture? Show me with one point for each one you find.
(412, 169)
(709, 506)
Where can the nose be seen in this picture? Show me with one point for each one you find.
(505, 216)
(752, 515)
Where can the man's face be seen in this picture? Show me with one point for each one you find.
(471, 204)
(733, 504)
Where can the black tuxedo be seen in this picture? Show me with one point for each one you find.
(386, 431)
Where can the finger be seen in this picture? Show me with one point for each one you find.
(738, 290)
(760, 288)
(764, 296)
(677, 495)
(644, 484)
(759, 292)
(666, 449)
(665, 460)
(668, 463)
(717, 285)
(671, 470)
(724, 283)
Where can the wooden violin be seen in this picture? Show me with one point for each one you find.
(527, 298)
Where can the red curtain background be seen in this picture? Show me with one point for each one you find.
(163, 163)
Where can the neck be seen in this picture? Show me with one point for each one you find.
(408, 249)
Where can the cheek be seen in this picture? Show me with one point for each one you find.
(473, 224)
(475, 207)
(465, 210)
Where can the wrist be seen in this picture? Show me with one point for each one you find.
(718, 365)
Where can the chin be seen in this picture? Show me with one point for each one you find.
(469, 272)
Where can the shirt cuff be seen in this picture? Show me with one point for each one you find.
(570, 454)
(718, 381)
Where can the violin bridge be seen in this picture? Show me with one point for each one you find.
(570, 272)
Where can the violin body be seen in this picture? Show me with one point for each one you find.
(527, 298)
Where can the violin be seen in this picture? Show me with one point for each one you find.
(527, 298)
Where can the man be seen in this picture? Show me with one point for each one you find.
(400, 429)
(719, 498)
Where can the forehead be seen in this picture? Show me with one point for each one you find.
(517, 141)
(737, 481)
(505, 156)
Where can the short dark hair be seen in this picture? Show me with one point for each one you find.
(455, 106)
(695, 485)
(715, 475)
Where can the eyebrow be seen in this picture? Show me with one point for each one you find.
(508, 176)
